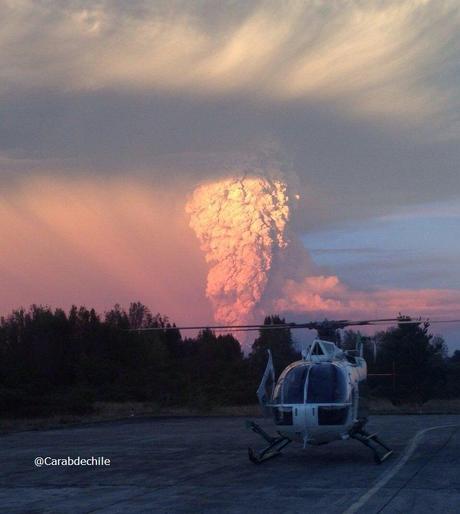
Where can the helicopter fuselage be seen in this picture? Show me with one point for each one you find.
(316, 399)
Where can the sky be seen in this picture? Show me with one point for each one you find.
(332, 126)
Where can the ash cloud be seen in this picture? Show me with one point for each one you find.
(240, 223)
(258, 265)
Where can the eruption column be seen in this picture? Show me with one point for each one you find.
(240, 223)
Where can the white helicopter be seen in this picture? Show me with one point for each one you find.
(316, 400)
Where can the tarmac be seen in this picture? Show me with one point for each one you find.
(200, 465)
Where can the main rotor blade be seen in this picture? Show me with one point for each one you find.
(206, 327)
(430, 321)
(310, 325)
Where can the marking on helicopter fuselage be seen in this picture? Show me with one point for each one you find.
(393, 471)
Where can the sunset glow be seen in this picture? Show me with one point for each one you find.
(99, 243)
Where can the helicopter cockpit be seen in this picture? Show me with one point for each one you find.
(304, 382)
(316, 392)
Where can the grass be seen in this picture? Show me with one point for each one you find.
(109, 411)
(381, 406)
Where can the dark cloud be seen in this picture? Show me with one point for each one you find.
(346, 168)
(361, 101)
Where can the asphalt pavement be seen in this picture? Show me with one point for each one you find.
(200, 465)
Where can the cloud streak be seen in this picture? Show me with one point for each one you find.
(366, 58)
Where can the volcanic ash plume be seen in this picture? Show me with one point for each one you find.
(240, 223)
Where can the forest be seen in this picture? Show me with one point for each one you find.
(53, 361)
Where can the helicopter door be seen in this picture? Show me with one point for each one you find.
(267, 384)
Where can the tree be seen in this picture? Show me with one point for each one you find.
(452, 387)
(214, 369)
(418, 359)
(455, 357)
(279, 341)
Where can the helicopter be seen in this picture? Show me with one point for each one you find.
(316, 400)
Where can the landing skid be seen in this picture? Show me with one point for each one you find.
(275, 444)
(372, 442)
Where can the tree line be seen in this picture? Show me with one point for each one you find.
(52, 361)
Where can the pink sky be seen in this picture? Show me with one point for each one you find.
(99, 243)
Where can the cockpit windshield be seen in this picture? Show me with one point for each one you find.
(294, 385)
(326, 384)
(291, 385)
(317, 383)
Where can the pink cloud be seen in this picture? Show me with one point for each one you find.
(328, 296)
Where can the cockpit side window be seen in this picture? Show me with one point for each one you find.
(326, 384)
